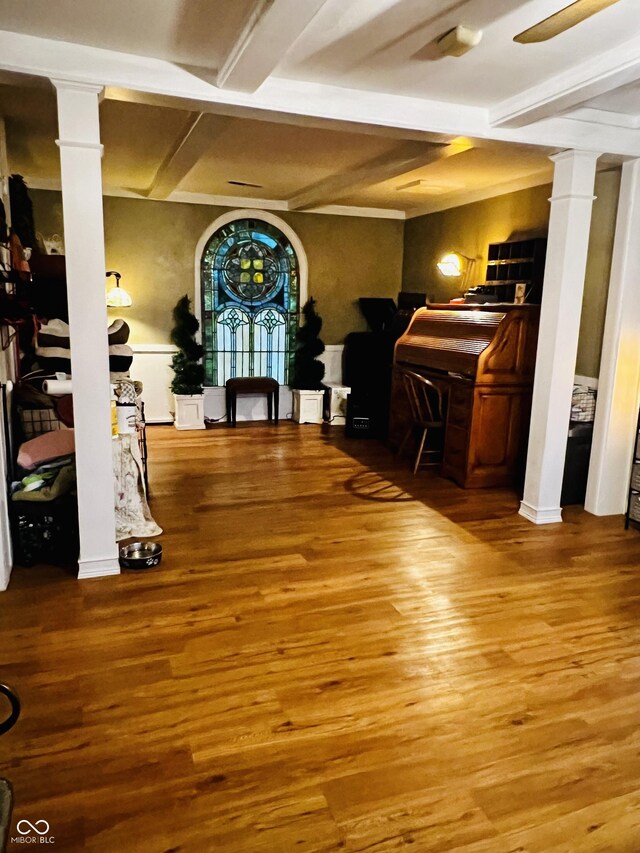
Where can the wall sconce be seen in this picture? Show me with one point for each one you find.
(117, 297)
(451, 265)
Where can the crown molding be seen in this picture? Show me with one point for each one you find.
(232, 202)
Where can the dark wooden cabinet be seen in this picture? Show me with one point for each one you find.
(48, 287)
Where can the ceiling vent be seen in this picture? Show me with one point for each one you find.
(245, 184)
(428, 187)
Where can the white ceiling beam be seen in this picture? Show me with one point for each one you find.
(154, 77)
(402, 159)
(588, 79)
(195, 139)
(598, 116)
(113, 93)
(268, 34)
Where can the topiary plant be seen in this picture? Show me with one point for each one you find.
(308, 372)
(189, 373)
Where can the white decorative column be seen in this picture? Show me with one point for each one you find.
(617, 405)
(7, 372)
(80, 161)
(571, 203)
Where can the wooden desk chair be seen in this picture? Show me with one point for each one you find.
(425, 401)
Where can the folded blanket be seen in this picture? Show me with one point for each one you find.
(48, 485)
(45, 447)
(55, 333)
(118, 333)
(120, 358)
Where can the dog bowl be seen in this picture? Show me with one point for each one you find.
(140, 555)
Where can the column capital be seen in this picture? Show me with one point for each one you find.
(574, 154)
(78, 114)
(573, 175)
(76, 86)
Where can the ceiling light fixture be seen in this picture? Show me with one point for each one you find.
(458, 41)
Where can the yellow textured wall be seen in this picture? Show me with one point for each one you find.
(470, 228)
(152, 243)
(596, 280)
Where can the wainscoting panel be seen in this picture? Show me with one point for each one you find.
(152, 366)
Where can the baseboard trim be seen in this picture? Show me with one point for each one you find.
(552, 515)
(98, 568)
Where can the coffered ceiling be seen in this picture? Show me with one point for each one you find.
(316, 104)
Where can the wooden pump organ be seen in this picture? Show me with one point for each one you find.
(483, 361)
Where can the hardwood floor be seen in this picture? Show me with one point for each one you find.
(333, 655)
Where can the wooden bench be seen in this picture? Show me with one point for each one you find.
(252, 385)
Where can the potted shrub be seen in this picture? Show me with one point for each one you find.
(308, 371)
(187, 369)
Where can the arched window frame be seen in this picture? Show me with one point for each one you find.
(250, 213)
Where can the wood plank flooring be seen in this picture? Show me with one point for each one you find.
(333, 655)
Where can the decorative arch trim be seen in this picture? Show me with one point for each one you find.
(250, 213)
(261, 215)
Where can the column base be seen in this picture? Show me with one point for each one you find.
(98, 568)
(551, 515)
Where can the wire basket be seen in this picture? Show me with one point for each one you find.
(634, 507)
(38, 421)
(583, 403)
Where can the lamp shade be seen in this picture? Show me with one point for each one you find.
(117, 297)
(450, 265)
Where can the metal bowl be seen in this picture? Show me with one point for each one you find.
(140, 555)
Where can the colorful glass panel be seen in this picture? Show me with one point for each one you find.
(250, 302)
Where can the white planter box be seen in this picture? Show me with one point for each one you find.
(307, 406)
(338, 406)
(189, 411)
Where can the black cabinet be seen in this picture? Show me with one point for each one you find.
(633, 499)
(517, 262)
(576, 464)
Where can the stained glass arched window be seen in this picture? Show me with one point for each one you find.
(250, 300)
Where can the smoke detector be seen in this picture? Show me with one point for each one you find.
(458, 41)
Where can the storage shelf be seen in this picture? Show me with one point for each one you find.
(508, 261)
(516, 262)
(633, 495)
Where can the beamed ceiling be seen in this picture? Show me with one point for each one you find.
(320, 104)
